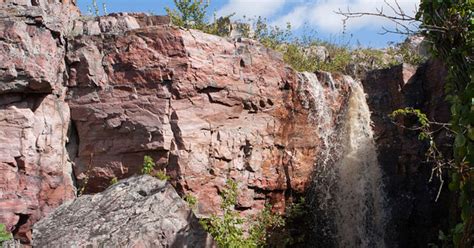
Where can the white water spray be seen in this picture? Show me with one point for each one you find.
(360, 216)
(348, 191)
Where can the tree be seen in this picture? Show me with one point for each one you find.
(189, 13)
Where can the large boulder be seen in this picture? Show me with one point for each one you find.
(137, 212)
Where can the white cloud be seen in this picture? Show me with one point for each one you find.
(295, 17)
(251, 8)
(321, 14)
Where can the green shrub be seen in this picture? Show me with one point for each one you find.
(189, 13)
(191, 200)
(263, 225)
(228, 229)
(4, 234)
(448, 27)
(148, 165)
(408, 56)
(161, 174)
(297, 214)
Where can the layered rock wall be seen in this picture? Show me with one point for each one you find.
(85, 99)
(205, 108)
(35, 171)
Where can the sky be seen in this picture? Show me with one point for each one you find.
(315, 16)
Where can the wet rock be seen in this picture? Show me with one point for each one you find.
(410, 191)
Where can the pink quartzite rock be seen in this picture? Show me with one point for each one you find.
(205, 108)
(35, 172)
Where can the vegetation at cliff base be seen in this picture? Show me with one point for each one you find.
(4, 234)
(229, 230)
(148, 167)
(113, 181)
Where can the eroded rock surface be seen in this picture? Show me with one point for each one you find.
(100, 93)
(207, 109)
(137, 212)
(87, 98)
(35, 174)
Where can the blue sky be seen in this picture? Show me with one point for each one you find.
(316, 15)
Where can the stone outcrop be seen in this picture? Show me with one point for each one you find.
(85, 99)
(136, 212)
(416, 216)
(205, 108)
(35, 172)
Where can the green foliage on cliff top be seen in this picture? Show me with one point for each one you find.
(341, 58)
(189, 13)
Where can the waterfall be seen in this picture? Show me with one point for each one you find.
(347, 194)
(359, 197)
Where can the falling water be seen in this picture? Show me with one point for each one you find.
(359, 198)
(347, 196)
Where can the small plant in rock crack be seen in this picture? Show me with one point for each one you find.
(113, 181)
(161, 174)
(191, 200)
(148, 165)
(4, 234)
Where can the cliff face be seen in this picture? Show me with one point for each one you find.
(83, 100)
(417, 213)
(35, 173)
(205, 108)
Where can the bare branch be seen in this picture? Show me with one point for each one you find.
(404, 24)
